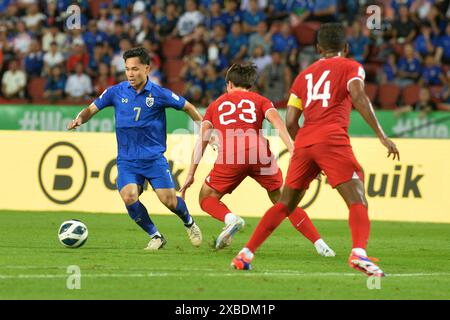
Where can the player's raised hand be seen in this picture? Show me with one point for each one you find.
(189, 181)
(73, 124)
(392, 148)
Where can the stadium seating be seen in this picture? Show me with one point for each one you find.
(13, 101)
(176, 86)
(371, 91)
(435, 92)
(371, 69)
(442, 107)
(399, 49)
(36, 88)
(410, 94)
(172, 68)
(94, 6)
(172, 48)
(306, 33)
(388, 95)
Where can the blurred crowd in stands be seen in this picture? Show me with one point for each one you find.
(191, 43)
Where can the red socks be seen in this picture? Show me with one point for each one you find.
(304, 225)
(269, 222)
(359, 225)
(215, 208)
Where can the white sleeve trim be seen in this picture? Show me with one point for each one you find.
(265, 114)
(355, 78)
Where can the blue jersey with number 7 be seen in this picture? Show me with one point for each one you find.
(140, 118)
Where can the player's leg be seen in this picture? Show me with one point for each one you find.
(209, 199)
(178, 206)
(136, 210)
(129, 184)
(289, 200)
(286, 204)
(298, 218)
(160, 178)
(302, 170)
(303, 224)
(130, 187)
(345, 174)
(353, 194)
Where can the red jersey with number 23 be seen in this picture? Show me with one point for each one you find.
(238, 116)
(322, 92)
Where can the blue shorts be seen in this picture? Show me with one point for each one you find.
(157, 172)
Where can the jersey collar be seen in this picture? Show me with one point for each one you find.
(148, 86)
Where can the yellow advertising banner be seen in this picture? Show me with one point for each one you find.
(74, 171)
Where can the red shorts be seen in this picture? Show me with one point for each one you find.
(224, 178)
(337, 161)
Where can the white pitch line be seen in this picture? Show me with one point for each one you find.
(205, 272)
(211, 274)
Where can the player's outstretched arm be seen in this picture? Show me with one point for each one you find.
(83, 117)
(274, 117)
(197, 154)
(193, 113)
(362, 103)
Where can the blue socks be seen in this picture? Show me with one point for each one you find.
(139, 214)
(182, 211)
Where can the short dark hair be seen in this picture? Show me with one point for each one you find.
(242, 75)
(138, 52)
(331, 36)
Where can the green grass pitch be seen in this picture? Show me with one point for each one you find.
(113, 264)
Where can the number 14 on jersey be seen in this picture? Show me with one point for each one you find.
(313, 89)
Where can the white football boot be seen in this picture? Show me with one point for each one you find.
(194, 234)
(226, 236)
(323, 249)
(156, 243)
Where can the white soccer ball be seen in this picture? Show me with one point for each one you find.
(72, 233)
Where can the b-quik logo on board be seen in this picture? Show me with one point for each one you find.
(62, 172)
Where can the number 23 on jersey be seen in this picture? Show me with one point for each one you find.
(245, 107)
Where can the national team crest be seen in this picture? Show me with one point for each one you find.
(149, 101)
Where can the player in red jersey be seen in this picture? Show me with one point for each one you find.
(324, 93)
(237, 117)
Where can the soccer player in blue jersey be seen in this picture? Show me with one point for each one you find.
(140, 114)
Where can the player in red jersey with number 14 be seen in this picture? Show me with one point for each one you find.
(237, 118)
(324, 93)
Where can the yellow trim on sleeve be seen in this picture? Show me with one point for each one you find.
(295, 101)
